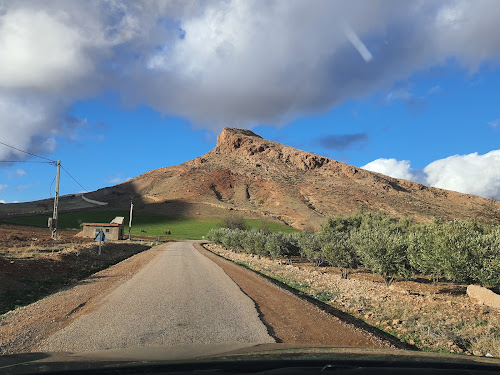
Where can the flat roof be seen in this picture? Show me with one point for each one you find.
(103, 224)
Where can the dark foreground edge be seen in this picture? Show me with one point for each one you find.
(257, 359)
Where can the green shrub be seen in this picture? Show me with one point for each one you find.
(339, 251)
(310, 248)
(216, 235)
(234, 222)
(280, 245)
(342, 224)
(457, 245)
(423, 255)
(231, 239)
(275, 245)
(383, 252)
(254, 242)
(292, 245)
(459, 251)
(488, 270)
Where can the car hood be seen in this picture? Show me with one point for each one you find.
(203, 356)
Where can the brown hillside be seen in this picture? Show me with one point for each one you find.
(256, 177)
(247, 173)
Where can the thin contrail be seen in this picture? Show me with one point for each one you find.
(357, 43)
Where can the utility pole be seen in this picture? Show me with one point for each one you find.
(130, 220)
(56, 201)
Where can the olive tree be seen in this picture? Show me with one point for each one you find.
(423, 255)
(456, 245)
(382, 252)
(488, 270)
(254, 242)
(339, 251)
(310, 248)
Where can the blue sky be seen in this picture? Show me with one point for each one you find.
(116, 89)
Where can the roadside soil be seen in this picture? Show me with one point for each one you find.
(429, 317)
(292, 320)
(24, 328)
(20, 236)
(33, 266)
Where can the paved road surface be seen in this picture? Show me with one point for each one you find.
(179, 298)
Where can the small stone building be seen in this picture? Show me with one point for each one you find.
(113, 231)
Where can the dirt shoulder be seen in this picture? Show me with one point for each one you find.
(289, 318)
(429, 317)
(23, 329)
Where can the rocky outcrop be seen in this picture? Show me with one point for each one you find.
(483, 296)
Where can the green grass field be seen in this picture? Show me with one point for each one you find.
(153, 225)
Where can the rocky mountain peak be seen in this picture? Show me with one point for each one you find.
(248, 144)
(231, 139)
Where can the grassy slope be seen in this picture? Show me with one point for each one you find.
(154, 225)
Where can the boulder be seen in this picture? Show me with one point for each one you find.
(484, 296)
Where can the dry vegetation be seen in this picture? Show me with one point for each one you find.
(432, 317)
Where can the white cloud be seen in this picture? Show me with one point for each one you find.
(222, 62)
(24, 124)
(391, 167)
(20, 172)
(437, 89)
(236, 63)
(52, 54)
(3, 187)
(117, 179)
(494, 123)
(3, 201)
(471, 174)
(40, 50)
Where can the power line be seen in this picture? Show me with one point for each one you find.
(29, 153)
(26, 161)
(49, 161)
(74, 179)
(50, 188)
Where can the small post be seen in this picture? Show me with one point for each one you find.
(101, 237)
(130, 219)
(56, 202)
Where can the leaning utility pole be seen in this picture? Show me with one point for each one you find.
(56, 201)
(130, 220)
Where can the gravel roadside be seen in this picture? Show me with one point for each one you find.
(21, 330)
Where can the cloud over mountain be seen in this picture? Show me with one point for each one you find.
(391, 167)
(471, 174)
(222, 62)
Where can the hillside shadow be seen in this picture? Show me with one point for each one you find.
(118, 199)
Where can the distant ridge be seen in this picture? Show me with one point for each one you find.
(255, 177)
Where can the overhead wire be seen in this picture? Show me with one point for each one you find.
(74, 179)
(49, 161)
(26, 161)
(50, 188)
(29, 153)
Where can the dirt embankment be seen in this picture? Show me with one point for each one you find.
(32, 266)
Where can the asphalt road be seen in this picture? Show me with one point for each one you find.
(179, 298)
